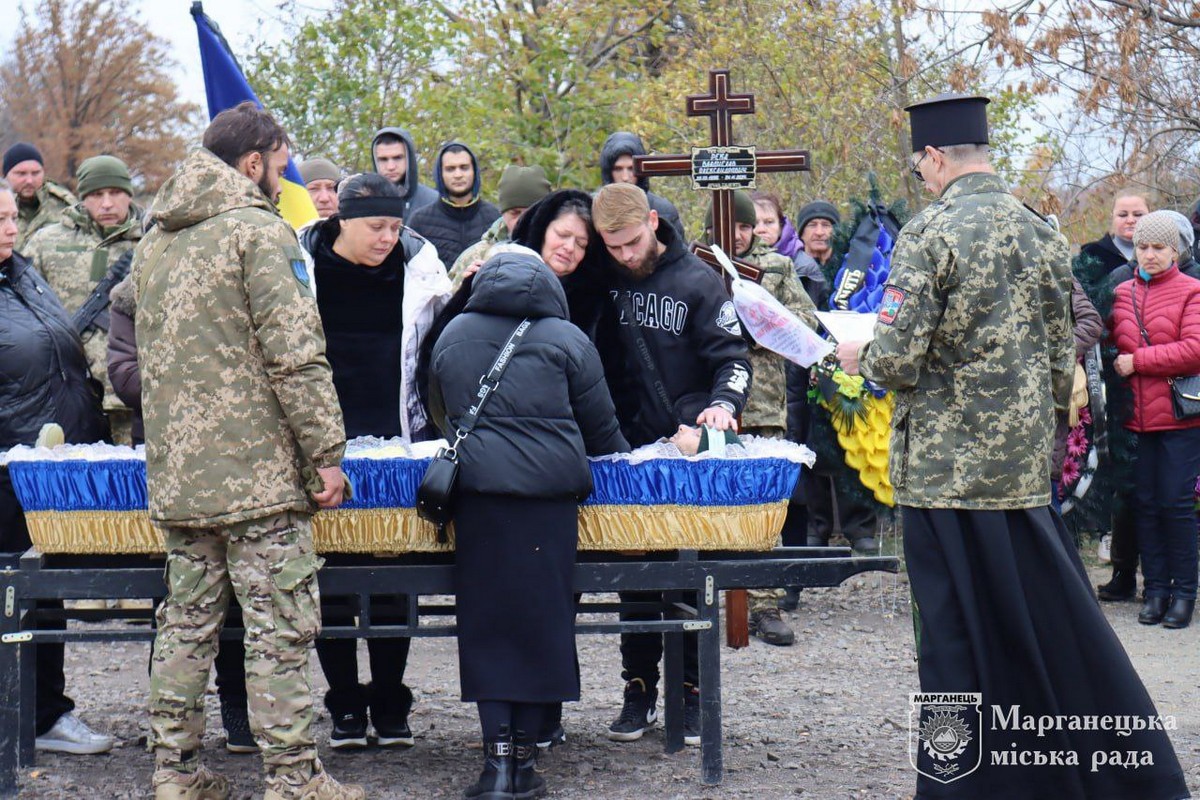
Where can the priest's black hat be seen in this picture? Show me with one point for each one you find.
(948, 119)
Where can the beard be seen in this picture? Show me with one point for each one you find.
(645, 268)
(272, 192)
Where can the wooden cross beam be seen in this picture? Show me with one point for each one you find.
(722, 167)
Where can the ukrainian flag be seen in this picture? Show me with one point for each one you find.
(226, 86)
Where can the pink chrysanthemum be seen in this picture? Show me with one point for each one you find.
(1085, 416)
(1077, 442)
(1070, 474)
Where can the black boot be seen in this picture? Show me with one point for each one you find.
(1153, 610)
(496, 780)
(348, 713)
(1122, 586)
(527, 783)
(1179, 615)
(389, 714)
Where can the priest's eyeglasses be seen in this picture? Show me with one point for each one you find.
(915, 169)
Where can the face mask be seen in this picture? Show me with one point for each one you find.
(1143, 274)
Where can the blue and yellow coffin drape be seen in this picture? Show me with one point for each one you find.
(99, 506)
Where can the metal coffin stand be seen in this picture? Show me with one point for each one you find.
(693, 580)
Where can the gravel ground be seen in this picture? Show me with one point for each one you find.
(826, 718)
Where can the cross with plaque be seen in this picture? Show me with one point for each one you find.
(722, 166)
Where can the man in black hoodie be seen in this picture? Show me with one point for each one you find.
(395, 157)
(674, 354)
(462, 216)
(616, 166)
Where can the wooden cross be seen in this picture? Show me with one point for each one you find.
(720, 107)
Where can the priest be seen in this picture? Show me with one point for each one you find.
(1037, 697)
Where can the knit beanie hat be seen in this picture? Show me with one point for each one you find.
(521, 187)
(1157, 227)
(716, 441)
(743, 210)
(1187, 234)
(103, 172)
(817, 209)
(21, 151)
(318, 169)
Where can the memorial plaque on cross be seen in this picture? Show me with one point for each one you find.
(723, 166)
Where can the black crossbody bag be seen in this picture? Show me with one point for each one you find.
(435, 495)
(1185, 391)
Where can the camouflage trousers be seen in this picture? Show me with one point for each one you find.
(270, 565)
(762, 599)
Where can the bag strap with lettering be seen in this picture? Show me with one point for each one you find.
(644, 354)
(487, 387)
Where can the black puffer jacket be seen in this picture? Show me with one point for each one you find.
(1106, 251)
(551, 408)
(43, 372)
(450, 228)
(624, 143)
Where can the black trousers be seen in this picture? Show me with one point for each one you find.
(856, 519)
(641, 652)
(388, 658)
(1124, 547)
(52, 701)
(1165, 482)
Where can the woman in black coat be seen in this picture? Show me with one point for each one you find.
(43, 378)
(523, 472)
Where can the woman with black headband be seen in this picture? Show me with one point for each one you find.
(379, 287)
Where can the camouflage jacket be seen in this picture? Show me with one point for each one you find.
(237, 394)
(974, 334)
(767, 405)
(478, 251)
(52, 201)
(73, 255)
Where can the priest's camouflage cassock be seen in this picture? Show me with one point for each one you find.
(240, 409)
(974, 334)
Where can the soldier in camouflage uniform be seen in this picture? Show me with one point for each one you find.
(244, 439)
(974, 336)
(40, 202)
(766, 409)
(76, 253)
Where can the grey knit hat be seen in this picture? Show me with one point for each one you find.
(1187, 234)
(318, 169)
(1157, 227)
(817, 209)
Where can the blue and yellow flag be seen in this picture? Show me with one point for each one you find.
(226, 86)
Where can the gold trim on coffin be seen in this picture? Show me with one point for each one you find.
(400, 530)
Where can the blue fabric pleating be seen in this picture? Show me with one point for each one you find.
(120, 485)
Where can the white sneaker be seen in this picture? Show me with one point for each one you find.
(71, 735)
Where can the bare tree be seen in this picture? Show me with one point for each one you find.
(84, 77)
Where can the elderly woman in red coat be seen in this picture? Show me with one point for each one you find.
(1156, 328)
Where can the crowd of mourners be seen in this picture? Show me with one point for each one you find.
(408, 279)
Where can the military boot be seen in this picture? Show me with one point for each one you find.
(198, 785)
(527, 783)
(496, 780)
(769, 626)
(321, 786)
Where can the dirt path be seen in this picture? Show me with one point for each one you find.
(826, 718)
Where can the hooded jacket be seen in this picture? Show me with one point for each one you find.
(426, 288)
(691, 329)
(74, 255)
(551, 408)
(238, 397)
(624, 143)
(416, 195)
(450, 228)
(44, 375)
